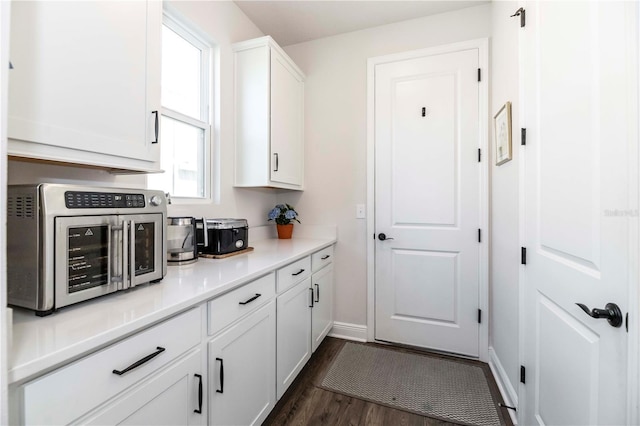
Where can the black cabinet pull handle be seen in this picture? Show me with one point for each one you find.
(611, 313)
(317, 293)
(140, 362)
(199, 410)
(325, 257)
(298, 273)
(157, 126)
(276, 155)
(311, 305)
(221, 390)
(250, 300)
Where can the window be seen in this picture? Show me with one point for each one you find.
(185, 119)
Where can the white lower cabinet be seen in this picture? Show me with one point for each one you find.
(97, 382)
(305, 313)
(175, 396)
(242, 370)
(220, 363)
(322, 312)
(294, 333)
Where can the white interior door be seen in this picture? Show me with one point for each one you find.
(577, 185)
(427, 201)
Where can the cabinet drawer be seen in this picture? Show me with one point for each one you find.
(321, 258)
(293, 273)
(226, 309)
(69, 392)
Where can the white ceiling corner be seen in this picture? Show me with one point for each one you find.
(297, 21)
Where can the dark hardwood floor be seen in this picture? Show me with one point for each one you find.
(305, 403)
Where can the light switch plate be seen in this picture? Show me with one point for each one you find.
(360, 211)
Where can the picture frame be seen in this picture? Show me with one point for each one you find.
(502, 134)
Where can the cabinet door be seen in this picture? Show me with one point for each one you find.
(241, 370)
(322, 312)
(85, 80)
(294, 333)
(287, 138)
(170, 397)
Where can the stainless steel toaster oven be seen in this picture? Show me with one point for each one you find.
(67, 243)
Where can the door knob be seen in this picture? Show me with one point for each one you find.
(611, 313)
(382, 237)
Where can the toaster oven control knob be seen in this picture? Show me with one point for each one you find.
(239, 244)
(155, 200)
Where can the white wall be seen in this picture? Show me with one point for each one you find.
(223, 23)
(335, 132)
(505, 248)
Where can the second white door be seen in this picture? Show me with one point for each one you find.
(427, 201)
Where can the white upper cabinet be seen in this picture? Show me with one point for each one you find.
(85, 83)
(269, 116)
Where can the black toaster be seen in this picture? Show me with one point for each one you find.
(221, 236)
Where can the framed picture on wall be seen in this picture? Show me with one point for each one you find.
(502, 134)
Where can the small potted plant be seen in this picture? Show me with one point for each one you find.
(284, 215)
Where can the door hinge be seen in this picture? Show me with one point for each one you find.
(523, 374)
(479, 316)
(523, 136)
(523, 255)
(479, 235)
(479, 74)
(521, 13)
(479, 155)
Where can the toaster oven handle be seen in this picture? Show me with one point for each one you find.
(132, 254)
(117, 256)
(125, 257)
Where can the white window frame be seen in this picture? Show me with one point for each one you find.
(185, 31)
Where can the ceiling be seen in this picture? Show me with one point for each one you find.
(297, 21)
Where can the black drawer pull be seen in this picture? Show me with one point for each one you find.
(325, 257)
(317, 293)
(311, 305)
(221, 390)
(199, 410)
(140, 362)
(298, 273)
(250, 300)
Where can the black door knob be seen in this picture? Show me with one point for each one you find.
(382, 237)
(611, 313)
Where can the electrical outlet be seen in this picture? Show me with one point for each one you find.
(360, 211)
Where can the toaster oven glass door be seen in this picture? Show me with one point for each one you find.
(86, 252)
(146, 250)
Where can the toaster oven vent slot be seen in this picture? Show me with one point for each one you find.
(20, 206)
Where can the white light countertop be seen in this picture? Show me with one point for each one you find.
(41, 344)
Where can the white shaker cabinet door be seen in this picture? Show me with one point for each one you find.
(322, 312)
(242, 370)
(85, 82)
(294, 333)
(287, 139)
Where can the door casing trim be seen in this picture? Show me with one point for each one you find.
(482, 45)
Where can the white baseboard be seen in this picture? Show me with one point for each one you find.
(344, 330)
(507, 391)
